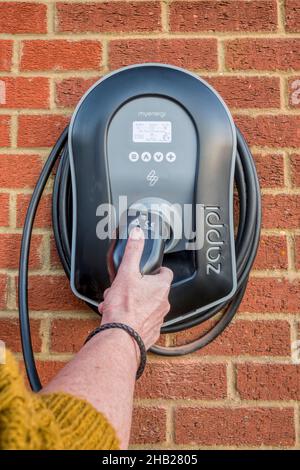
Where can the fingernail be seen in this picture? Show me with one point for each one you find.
(136, 233)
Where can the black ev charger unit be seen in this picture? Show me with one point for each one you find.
(152, 145)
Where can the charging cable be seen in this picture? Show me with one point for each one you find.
(246, 244)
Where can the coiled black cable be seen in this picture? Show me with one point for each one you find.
(246, 245)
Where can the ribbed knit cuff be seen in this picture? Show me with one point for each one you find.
(31, 421)
(80, 425)
(25, 421)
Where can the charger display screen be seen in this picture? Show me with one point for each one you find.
(156, 132)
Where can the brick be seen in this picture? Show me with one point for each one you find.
(70, 90)
(148, 425)
(292, 15)
(43, 217)
(262, 54)
(271, 131)
(272, 253)
(272, 295)
(25, 17)
(4, 131)
(109, 17)
(294, 92)
(21, 92)
(189, 53)
(162, 340)
(68, 335)
(230, 15)
(47, 370)
(270, 169)
(40, 131)
(4, 209)
(280, 211)
(243, 337)
(52, 293)
(248, 92)
(10, 248)
(5, 55)
(235, 426)
(54, 257)
(19, 171)
(183, 380)
(297, 252)
(10, 334)
(3, 292)
(186, 336)
(295, 167)
(60, 54)
(268, 381)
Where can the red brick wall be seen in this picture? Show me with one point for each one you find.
(243, 390)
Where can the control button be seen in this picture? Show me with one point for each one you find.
(171, 157)
(158, 156)
(146, 156)
(134, 156)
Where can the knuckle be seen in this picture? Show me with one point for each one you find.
(105, 292)
(167, 276)
(168, 271)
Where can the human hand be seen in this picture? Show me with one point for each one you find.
(138, 301)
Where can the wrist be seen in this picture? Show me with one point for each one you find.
(120, 343)
(128, 345)
(123, 317)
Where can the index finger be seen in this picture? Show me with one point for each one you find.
(133, 251)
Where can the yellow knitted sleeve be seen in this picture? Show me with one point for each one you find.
(43, 422)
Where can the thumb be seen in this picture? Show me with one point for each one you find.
(133, 251)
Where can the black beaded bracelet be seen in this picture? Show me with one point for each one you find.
(133, 334)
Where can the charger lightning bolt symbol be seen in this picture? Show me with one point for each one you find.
(152, 178)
